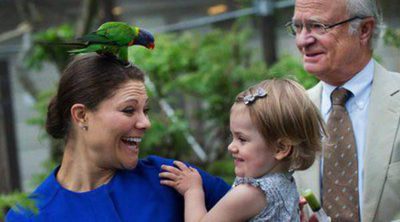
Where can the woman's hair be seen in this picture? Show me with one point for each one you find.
(88, 80)
(286, 115)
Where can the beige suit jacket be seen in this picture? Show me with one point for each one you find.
(381, 175)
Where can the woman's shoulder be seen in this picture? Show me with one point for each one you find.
(155, 161)
(41, 197)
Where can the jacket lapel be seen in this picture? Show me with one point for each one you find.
(315, 94)
(383, 118)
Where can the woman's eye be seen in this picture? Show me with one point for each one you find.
(128, 110)
(146, 110)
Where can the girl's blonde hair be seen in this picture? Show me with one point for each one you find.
(286, 115)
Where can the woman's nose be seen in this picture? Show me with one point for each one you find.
(143, 122)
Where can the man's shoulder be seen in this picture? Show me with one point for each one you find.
(315, 93)
(385, 73)
(315, 89)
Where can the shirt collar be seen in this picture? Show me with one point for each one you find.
(356, 85)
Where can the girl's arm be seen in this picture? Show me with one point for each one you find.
(187, 181)
(239, 204)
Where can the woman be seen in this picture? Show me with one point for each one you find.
(100, 111)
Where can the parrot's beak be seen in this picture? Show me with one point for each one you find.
(151, 46)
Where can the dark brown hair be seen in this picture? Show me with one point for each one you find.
(287, 114)
(87, 80)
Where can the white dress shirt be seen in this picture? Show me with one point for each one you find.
(357, 106)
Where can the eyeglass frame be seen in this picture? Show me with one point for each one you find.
(292, 31)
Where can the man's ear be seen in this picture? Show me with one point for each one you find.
(367, 30)
(79, 114)
(283, 150)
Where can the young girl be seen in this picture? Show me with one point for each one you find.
(276, 129)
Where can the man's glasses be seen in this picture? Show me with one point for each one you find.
(295, 28)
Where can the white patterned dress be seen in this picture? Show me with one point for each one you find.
(281, 195)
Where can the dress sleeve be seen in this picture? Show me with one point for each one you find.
(214, 188)
(17, 216)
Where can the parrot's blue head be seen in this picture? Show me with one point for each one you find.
(145, 39)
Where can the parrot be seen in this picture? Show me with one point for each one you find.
(114, 38)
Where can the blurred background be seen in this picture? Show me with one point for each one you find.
(206, 52)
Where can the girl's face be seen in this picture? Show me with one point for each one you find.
(116, 127)
(252, 156)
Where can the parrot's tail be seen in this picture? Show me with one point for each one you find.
(77, 51)
(66, 44)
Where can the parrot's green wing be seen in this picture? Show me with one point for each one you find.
(123, 53)
(112, 33)
(115, 38)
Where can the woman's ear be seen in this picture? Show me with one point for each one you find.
(283, 150)
(79, 115)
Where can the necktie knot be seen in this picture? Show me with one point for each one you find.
(339, 96)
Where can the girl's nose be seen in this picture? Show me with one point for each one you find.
(232, 148)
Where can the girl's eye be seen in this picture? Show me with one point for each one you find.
(242, 140)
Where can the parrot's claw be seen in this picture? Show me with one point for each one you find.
(128, 65)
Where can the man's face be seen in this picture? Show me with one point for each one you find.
(330, 56)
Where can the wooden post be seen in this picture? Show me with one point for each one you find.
(267, 28)
(9, 168)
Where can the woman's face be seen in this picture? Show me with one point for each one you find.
(116, 127)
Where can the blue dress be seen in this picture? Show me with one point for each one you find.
(131, 195)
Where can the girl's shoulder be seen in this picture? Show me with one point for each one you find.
(280, 193)
(267, 181)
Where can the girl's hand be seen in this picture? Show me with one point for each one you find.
(303, 217)
(182, 178)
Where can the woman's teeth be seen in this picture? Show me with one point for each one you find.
(133, 139)
(132, 142)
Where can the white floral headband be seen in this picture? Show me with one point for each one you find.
(250, 98)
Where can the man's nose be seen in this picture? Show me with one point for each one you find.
(304, 38)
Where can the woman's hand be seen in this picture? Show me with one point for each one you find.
(182, 178)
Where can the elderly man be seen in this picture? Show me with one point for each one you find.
(357, 176)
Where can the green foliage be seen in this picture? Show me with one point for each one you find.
(40, 107)
(392, 37)
(289, 67)
(21, 199)
(224, 168)
(207, 69)
(47, 47)
(10, 200)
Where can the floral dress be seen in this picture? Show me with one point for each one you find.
(281, 195)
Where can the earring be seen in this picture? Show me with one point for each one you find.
(84, 128)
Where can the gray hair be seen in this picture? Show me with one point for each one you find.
(365, 8)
